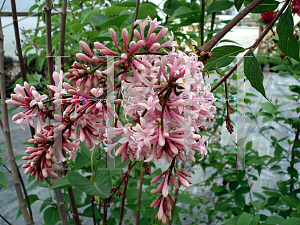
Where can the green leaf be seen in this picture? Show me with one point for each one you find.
(258, 195)
(249, 145)
(292, 221)
(264, 6)
(61, 183)
(51, 216)
(99, 20)
(253, 73)
(145, 10)
(46, 202)
(293, 172)
(290, 201)
(30, 57)
(114, 10)
(239, 200)
(266, 128)
(37, 76)
(287, 42)
(217, 188)
(170, 6)
(272, 201)
(126, 4)
(186, 199)
(269, 107)
(86, 17)
(247, 219)
(3, 180)
(274, 220)
(181, 12)
(81, 161)
(27, 49)
(295, 88)
(238, 4)
(218, 6)
(100, 187)
(77, 27)
(233, 185)
(40, 62)
(259, 205)
(222, 56)
(232, 221)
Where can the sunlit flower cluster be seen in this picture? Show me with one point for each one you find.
(164, 100)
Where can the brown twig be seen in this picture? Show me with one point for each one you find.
(19, 48)
(202, 21)
(6, 131)
(139, 197)
(105, 211)
(99, 209)
(93, 210)
(6, 221)
(135, 17)
(18, 42)
(215, 39)
(47, 8)
(229, 126)
(62, 53)
(72, 198)
(62, 32)
(255, 45)
(58, 194)
(124, 194)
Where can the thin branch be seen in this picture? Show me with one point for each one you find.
(254, 46)
(19, 48)
(212, 24)
(47, 8)
(105, 211)
(202, 21)
(6, 131)
(6, 221)
(62, 32)
(215, 39)
(18, 42)
(124, 194)
(135, 18)
(99, 209)
(72, 198)
(93, 209)
(139, 197)
(62, 53)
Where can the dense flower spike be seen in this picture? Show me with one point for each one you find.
(163, 95)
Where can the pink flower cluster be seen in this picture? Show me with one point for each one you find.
(163, 94)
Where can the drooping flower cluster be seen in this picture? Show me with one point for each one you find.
(163, 94)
